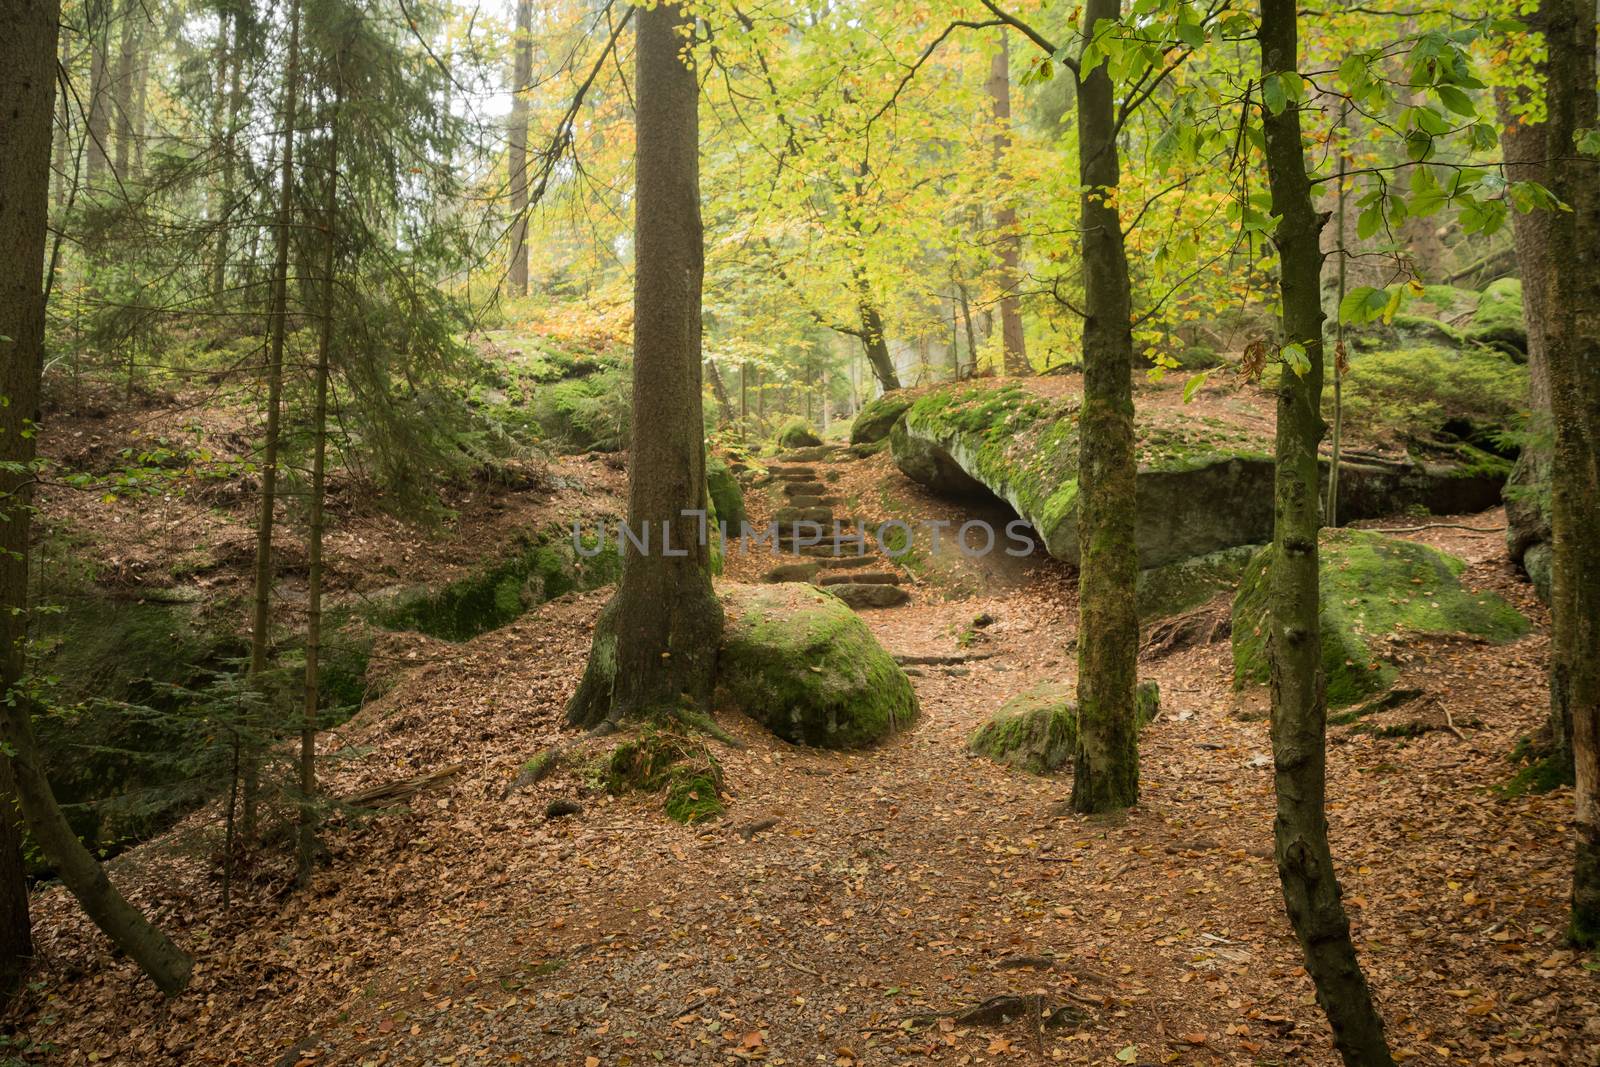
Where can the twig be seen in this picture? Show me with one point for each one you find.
(1434, 526)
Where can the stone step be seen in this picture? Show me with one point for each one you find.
(839, 563)
(860, 578)
(863, 595)
(792, 572)
(808, 488)
(807, 502)
(790, 515)
(842, 549)
(794, 474)
(809, 455)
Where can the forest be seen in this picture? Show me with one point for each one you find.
(881, 532)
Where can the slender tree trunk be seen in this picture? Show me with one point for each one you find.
(1015, 351)
(1106, 775)
(260, 616)
(655, 643)
(972, 336)
(1572, 344)
(1299, 709)
(97, 21)
(306, 850)
(873, 341)
(225, 111)
(61, 155)
(720, 391)
(518, 138)
(27, 85)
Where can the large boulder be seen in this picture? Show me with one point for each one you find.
(797, 660)
(726, 496)
(797, 433)
(1375, 592)
(1497, 320)
(1037, 730)
(1202, 485)
(875, 419)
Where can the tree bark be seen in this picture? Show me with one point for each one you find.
(1572, 344)
(260, 615)
(224, 115)
(522, 74)
(972, 336)
(27, 85)
(1106, 769)
(655, 643)
(720, 391)
(1299, 710)
(1014, 345)
(97, 128)
(124, 91)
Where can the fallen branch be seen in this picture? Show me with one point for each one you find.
(386, 793)
(1434, 526)
(938, 660)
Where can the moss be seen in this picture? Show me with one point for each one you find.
(1037, 730)
(1371, 586)
(877, 417)
(726, 496)
(657, 761)
(543, 568)
(1399, 393)
(797, 433)
(1497, 320)
(800, 662)
(586, 414)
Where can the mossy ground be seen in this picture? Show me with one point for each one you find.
(684, 770)
(1497, 320)
(1407, 393)
(1037, 730)
(800, 662)
(1372, 586)
(544, 567)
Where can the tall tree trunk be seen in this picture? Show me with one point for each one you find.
(306, 850)
(27, 85)
(720, 391)
(1015, 351)
(1299, 708)
(224, 111)
(1106, 774)
(1572, 345)
(873, 341)
(972, 336)
(97, 21)
(124, 90)
(655, 643)
(260, 615)
(518, 137)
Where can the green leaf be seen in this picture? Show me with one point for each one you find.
(1456, 100)
(1273, 93)
(1193, 385)
(1294, 354)
(1128, 1054)
(1362, 304)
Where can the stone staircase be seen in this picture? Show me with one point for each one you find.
(843, 560)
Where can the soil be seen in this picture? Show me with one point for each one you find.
(850, 908)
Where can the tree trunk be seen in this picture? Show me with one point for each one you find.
(720, 391)
(1106, 774)
(97, 129)
(225, 111)
(1299, 711)
(972, 336)
(873, 341)
(306, 839)
(1015, 352)
(27, 84)
(1572, 345)
(518, 137)
(123, 88)
(655, 643)
(260, 616)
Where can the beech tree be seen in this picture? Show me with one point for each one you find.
(655, 644)
(1014, 346)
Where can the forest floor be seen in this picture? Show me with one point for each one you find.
(849, 906)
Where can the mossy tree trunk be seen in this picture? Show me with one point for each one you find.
(1299, 708)
(260, 614)
(1013, 344)
(1572, 340)
(1106, 770)
(27, 85)
(655, 643)
(517, 138)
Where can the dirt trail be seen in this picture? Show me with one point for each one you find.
(889, 887)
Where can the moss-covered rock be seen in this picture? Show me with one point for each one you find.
(1037, 730)
(797, 433)
(1497, 320)
(726, 496)
(1374, 590)
(877, 417)
(542, 568)
(1405, 393)
(588, 413)
(1203, 485)
(805, 666)
(1185, 585)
